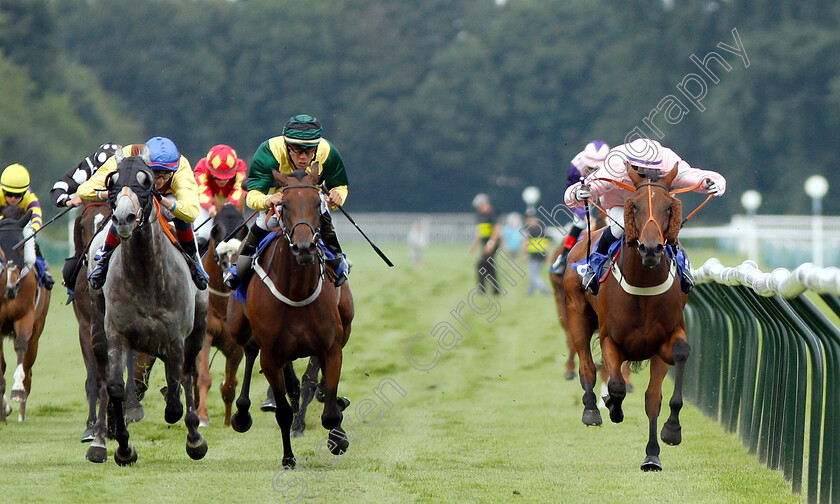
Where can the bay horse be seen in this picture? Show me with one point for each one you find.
(93, 217)
(639, 311)
(295, 310)
(23, 311)
(150, 305)
(221, 254)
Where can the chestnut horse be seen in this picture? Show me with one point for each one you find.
(295, 310)
(23, 310)
(218, 259)
(639, 311)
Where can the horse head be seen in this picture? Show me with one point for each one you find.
(301, 212)
(130, 191)
(226, 247)
(12, 221)
(659, 212)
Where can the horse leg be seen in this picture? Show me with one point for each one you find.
(283, 413)
(99, 346)
(4, 402)
(28, 362)
(581, 329)
(204, 382)
(309, 381)
(241, 420)
(133, 409)
(615, 386)
(228, 387)
(174, 374)
(196, 444)
(118, 354)
(332, 416)
(671, 430)
(142, 371)
(570, 360)
(625, 372)
(653, 403)
(23, 331)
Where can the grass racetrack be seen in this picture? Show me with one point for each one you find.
(489, 419)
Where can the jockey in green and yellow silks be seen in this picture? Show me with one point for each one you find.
(300, 146)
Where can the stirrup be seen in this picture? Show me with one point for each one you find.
(559, 266)
(231, 280)
(590, 281)
(687, 281)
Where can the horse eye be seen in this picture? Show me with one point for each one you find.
(112, 179)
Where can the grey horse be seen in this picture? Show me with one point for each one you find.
(150, 304)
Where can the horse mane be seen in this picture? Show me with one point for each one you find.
(11, 212)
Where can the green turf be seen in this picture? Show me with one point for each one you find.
(491, 421)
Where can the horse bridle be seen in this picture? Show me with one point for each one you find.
(650, 207)
(287, 231)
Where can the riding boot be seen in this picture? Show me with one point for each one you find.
(48, 279)
(96, 278)
(687, 280)
(330, 239)
(199, 276)
(269, 404)
(559, 266)
(243, 261)
(597, 258)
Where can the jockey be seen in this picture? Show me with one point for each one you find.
(175, 182)
(587, 161)
(14, 190)
(646, 157)
(63, 194)
(219, 176)
(300, 145)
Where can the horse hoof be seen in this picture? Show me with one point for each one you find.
(18, 395)
(204, 422)
(268, 405)
(88, 436)
(671, 436)
(569, 375)
(97, 454)
(338, 442)
(289, 462)
(134, 414)
(343, 403)
(651, 463)
(591, 417)
(124, 459)
(174, 413)
(198, 451)
(296, 434)
(241, 421)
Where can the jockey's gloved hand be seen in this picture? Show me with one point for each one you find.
(712, 187)
(582, 192)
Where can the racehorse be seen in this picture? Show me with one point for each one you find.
(93, 217)
(150, 305)
(639, 311)
(295, 310)
(23, 310)
(218, 259)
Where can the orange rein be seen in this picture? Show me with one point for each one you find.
(164, 224)
(673, 191)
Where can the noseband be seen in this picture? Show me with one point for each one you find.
(650, 212)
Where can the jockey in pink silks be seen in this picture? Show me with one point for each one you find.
(651, 160)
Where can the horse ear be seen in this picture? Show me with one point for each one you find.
(669, 179)
(23, 221)
(280, 178)
(631, 233)
(146, 155)
(216, 233)
(315, 172)
(634, 177)
(119, 155)
(675, 223)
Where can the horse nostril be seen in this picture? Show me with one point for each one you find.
(295, 249)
